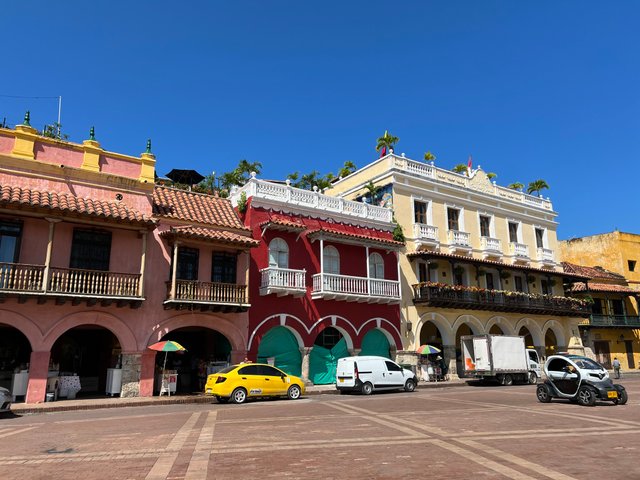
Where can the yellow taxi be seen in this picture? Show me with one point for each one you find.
(237, 383)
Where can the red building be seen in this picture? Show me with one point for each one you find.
(324, 281)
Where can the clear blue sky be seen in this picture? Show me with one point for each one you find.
(531, 89)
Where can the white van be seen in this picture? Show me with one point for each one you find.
(367, 374)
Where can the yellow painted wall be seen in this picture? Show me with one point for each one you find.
(617, 347)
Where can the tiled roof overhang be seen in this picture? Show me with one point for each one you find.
(603, 287)
(282, 225)
(67, 205)
(341, 235)
(492, 263)
(210, 235)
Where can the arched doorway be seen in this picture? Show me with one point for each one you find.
(550, 343)
(430, 335)
(375, 343)
(15, 355)
(495, 330)
(86, 351)
(280, 346)
(207, 352)
(328, 347)
(528, 338)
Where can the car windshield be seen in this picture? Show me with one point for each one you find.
(586, 364)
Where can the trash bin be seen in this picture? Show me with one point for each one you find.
(50, 397)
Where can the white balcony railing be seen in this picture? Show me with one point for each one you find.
(519, 249)
(459, 238)
(282, 281)
(545, 255)
(344, 287)
(491, 244)
(286, 194)
(422, 231)
(420, 169)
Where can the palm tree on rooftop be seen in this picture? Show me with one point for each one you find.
(536, 186)
(429, 157)
(460, 168)
(386, 143)
(516, 186)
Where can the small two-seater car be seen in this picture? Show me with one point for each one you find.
(238, 383)
(5, 400)
(578, 379)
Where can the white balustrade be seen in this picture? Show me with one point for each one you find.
(421, 169)
(545, 255)
(457, 237)
(493, 244)
(285, 278)
(519, 249)
(422, 231)
(358, 286)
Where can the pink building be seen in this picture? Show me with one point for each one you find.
(97, 263)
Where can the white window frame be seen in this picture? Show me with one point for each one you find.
(492, 223)
(429, 204)
(518, 230)
(461, 226)
(374, 267)
(278, 243)
(326, 262)
(545, 240)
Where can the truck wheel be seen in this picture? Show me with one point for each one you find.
(507, 380)
(543, 394)
(367, 388)
(533, 378)
(586, 397)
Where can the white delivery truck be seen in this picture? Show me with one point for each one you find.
(503, 358)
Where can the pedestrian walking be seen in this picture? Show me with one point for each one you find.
(616, 367)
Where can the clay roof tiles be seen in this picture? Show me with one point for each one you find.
(195, 207)
(602, 287)
(69, 204)
(591, 272)
(200, 233)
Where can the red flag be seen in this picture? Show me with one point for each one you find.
(469, 163)
(383, 152)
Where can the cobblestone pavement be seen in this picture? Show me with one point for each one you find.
(463, 432)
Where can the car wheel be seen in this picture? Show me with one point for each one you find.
(294, 392)
(222, 399)
(533, 378)
(239, 395)
(507, 380)
(586, 397)
(367, 388)
(410, 386)
(543, 394)
(622, 398)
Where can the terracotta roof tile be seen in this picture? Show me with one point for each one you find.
(602, 287)
(200, 233)
(359, 233)
(195, 207)
(70, 204)
(591, 272)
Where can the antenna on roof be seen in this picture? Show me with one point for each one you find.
(59, 113)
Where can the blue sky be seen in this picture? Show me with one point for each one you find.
(530, 89)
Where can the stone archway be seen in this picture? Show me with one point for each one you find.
(550, 342)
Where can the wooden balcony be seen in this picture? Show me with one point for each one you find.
(77, 285)
(282, 281)
(599, 320)
(329, 286)
(447, 296)
(207, 296)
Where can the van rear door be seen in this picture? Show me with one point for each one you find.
(345, 372)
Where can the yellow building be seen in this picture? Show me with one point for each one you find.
(616, 251)
(479, 258)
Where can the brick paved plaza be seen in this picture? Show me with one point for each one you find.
(462, 432)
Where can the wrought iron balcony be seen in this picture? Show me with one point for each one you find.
(448, 296)
(282, 281)
(24, 281)
(599, 320)
(329, 286)
(214, 296)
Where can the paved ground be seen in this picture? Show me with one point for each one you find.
(446, 433)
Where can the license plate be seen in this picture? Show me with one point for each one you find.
(612, 394)
(341, 380)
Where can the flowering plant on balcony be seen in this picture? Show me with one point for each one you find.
(568, 302)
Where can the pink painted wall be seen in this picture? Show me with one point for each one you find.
(6, 142)
(58, 154)
(118, 166)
